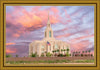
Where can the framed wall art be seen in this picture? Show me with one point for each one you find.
(62, 34)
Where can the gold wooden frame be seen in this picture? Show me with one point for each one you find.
(95, 3)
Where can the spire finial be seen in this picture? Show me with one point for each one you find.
(48, 15)
(48, 18)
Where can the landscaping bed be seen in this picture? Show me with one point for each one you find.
(13, 60)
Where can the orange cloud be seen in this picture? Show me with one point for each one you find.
(29, 20)
(10, 51)
(16, 35)
(35, 18)
(10, 43)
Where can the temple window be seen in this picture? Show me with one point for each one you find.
(49, 33)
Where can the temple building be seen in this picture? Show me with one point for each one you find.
(48, 44)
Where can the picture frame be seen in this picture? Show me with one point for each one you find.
(95, 3)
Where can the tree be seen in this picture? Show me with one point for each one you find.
(53, 51)
(61, 50)
(67, 50)
(57, 50)
(67, 54)
(64, 51)
(82, 51)
(81, 54)
(16, 55)
(8, 55)
(48, 54)
(73, 53)
(34, 55)
(42, 55)
(89, 52)
(61, 55)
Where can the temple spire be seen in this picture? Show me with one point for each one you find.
(48, 31)
(48, 18)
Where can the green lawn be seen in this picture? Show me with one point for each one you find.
(50, 61)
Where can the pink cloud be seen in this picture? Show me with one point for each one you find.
(65, 35)
(33, 18)
(8, 50)
(83, 37)
(67, 16)
(82, 45)
(54, 9)
(16, 35)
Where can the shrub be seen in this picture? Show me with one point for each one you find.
(48, 54)
(55, 54)
(91, 54)
(34, 55)
(85, 54)
(60, 55)
(81, 54)
(16, 55)
(8, 55)
(42, 55)
(70, 54)
(67, 54)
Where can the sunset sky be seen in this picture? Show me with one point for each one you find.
(72, 24)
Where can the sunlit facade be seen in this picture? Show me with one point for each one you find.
(48, 44)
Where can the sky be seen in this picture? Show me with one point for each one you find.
(72, 24)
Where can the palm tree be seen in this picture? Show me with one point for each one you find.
(67, 50)
(16, 55)
(76, 53)
(86, 53)
(57, 50)
(79, 53)
(89, 52)
(82, 51)
(64, 51)
(73, 53)
(53, 51)
(61, 50)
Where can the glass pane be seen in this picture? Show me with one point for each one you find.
(49, 33)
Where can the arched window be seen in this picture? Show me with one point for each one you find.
(49, 33)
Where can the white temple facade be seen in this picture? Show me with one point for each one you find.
(48, 44)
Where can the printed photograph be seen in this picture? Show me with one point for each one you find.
(49, 34)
